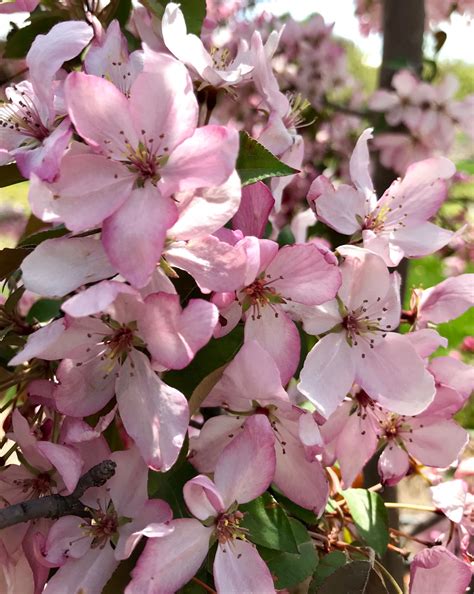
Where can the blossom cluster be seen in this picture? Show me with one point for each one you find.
(187, 335)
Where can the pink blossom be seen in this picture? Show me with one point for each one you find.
(244, 470)
(396, 225)
(250, 386)
(359, 344)
(445, 301)
(216, 69)
(300, 273)
(438, 570)
(142, 160)
(82, 548)
(31, 130)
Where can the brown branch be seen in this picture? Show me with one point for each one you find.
(56, 506)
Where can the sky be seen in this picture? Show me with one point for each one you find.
(458, 46)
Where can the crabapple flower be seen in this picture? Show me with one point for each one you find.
(143, 156)
(250, 386)
(457, 503)
(108, 57)
(32, 132)
(359, 344)
(100, 358)
(215, 69)
(296, 274)
(396, 225)
(82, 548)
(243, 471)
(443, 302)
(438, 570)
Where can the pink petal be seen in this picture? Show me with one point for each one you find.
(453, 373)
(302, 480)
(48, 52)
(186, 47)
(95, 299)
(246, 467)
(301, 273)
(130, 470)
(58, 266)
(205, 159)
(437, 444)
(89, 189)
(214, 264)
(343, 209)
(421, 192)
(447, 300)
(359, 165)
(438, 570)
(84, 389)
(203, 498)
(422, 239)
(154, 415)
(217, 432)
(278, 335)
(45, 160)
(395, 375)
(364, 277)
(450, 497)
(168, 563)
(163, 106)
(426, 341)
(66, 460)
(153, 521)
(255, 206)
(90, 573)
(104, 123)
(26, 439)
(134, 236)
(39, 342)
(316, 319)
(65, 540)
(239, 568)
(174, 335)
(205, 210)
(328, 373)
(393, 464)
(251, 375)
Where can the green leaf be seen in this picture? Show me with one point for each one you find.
(204, 387)
(19, 40)
(285, 237)
(327, 566)
(291, 569)
(11, 259)
(255, 162)
(117, 9)
(10, 175)
(268, 524)
(370, 517)
(13, 299)
(36, 238)
(194, 12)
(357, 577)
(216, 353)
(44, 310)
(292, 509)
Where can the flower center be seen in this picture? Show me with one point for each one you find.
(21, 115)
(38, 486)
(103, 526)
(228, 527)
(362, 326)
(259, 294)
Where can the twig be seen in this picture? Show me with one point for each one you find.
(56, 506)
(413, 506)
(203, 585)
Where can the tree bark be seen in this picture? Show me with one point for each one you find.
(56, 506)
